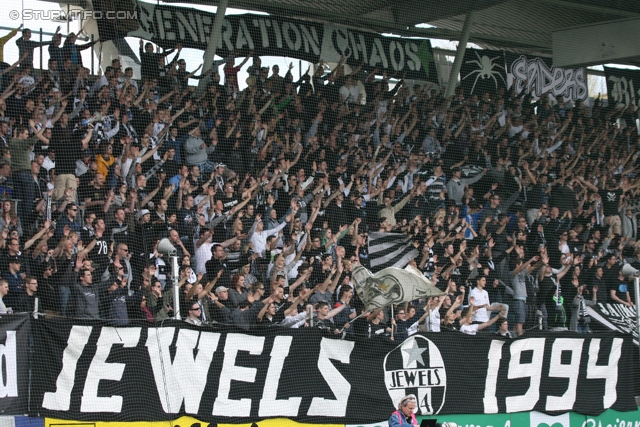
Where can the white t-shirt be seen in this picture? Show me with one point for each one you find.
(433, 321)
(432, 324)
(469, 329)
(203, 254)
(481, 297)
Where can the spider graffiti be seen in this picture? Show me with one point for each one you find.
(486, 70)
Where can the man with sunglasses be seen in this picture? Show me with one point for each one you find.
(194, 314)
(497, 207)
(47, 291)
(122, 259)
(69, 219)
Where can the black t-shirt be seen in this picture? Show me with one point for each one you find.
(220, 230)
(602, 289)
(610, 276)
(228, 202)
(325, 324)
(149, 163)
(610, 201)
(187, 219)
(68, 144)
(213, 266)
(535, 196)
(141, 119)
(547, 290)
(185, 118)
(281, 307)
(99, 253)
(317, 275)
(620, 289)
(93, 193)
(171, 168)
(361, 327)
(379, 329)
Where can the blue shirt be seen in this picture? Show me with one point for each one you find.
(62, 222)
(16, 288)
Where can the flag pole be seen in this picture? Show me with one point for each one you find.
(393, 329)
(354, 319)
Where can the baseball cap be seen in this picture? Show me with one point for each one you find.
(143, 212)
(221, 289)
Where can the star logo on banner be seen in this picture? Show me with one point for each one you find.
(409, 361)
(415, 353)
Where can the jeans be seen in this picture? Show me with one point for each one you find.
(583, 329)
(65, 294)
(25, 188)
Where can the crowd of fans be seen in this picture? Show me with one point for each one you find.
(269, 195)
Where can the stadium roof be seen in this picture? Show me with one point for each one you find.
(521, 26)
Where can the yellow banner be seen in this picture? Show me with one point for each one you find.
(180, 422)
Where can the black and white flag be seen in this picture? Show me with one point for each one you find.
(392, 286)
(538, 76)
(167, 25)
(617, 317)
(483, 71)
(390, 250)
(623, 86)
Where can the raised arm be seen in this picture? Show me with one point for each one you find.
(491, 321)
(335, 311)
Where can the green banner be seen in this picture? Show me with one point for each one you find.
(609, 418)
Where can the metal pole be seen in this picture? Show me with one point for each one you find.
(391, 320)
(176, 290)
(636, 289)
(210, 53)
(92, 56)
(462, 47)
(41, 48)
